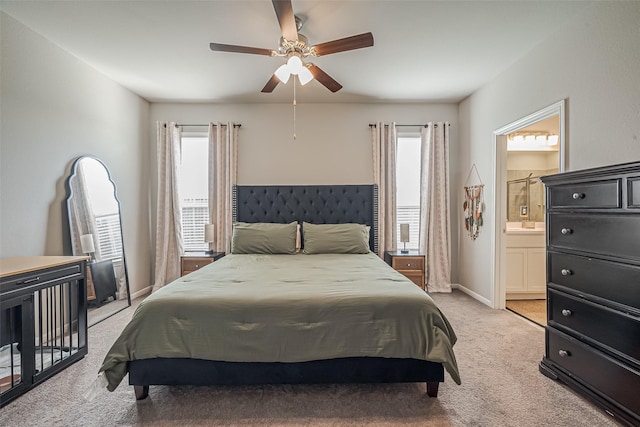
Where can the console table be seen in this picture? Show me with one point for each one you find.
(43, 318)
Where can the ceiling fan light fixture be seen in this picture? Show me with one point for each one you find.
(294, 64)
(305, 76)
(283, 73)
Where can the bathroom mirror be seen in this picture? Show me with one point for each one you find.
(95, 230)
(527, 161)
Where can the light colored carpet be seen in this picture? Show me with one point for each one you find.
(497, 351)
(532, 309)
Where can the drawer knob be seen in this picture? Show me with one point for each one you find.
(566, 231)
(566, 272)
(566, 312)
(564, 353)
(197, 265)
(577, 196)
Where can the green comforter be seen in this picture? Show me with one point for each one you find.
(286, 308)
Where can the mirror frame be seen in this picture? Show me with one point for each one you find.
(72, 245)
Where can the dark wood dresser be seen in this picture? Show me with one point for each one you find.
(593, 286)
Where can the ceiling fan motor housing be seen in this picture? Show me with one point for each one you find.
(287, 46)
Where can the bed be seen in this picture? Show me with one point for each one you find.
(262, 318)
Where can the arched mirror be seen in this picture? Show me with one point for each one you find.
(95, 230)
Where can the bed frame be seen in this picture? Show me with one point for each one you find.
(319, 204)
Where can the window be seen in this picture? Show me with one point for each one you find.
(193, 189)
(408, 188)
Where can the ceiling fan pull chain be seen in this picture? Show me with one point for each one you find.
(294, 107)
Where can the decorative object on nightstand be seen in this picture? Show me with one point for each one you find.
(209, 236)
(87, 245)
(192, 261)
(410, 264)
(404, 237)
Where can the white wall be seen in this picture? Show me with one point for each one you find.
(54, 109)
(333, 144)
(593, 63)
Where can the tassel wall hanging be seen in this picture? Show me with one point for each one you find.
(473, 205)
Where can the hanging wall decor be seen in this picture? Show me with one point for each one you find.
(473, 205)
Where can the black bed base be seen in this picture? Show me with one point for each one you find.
(162, 371)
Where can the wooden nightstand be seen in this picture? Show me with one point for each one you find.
(191, 261)
(411, 265)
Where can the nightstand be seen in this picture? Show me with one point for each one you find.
(191, 261)
(410, 265)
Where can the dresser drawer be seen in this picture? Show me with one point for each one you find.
(37, 279)
(408, 263)
(610, 235)
(611, 281)
(585, 195)
(608, 327)
(602, 373)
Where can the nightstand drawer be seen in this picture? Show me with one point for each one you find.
(416, 277)
(195, 263)
(191, 264)
(408, 263)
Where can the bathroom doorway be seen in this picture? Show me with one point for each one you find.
(525, 150)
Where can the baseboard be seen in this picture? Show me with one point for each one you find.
(142, 292)
(472, 294)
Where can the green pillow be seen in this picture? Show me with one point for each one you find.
(335, 238)
(263, 238)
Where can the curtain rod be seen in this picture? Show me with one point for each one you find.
(426, 125)
(188, 125)
(180, 124)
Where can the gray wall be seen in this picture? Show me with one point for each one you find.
(54, 109)
(593, 63)
(333, 144)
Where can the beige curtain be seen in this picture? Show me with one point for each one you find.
(383, 138)
(435, 227)
(168, 213)
(223, 165)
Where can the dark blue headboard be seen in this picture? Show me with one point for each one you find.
(318, 204)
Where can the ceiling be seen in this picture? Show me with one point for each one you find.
(425, 51)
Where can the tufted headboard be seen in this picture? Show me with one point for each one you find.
(318, 204)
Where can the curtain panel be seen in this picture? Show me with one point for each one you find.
(384, 141)
(435, 227)
(223, 172)
(168, 211)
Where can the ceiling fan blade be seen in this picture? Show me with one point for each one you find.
(341, 45)
(219, 47)
(271, 84)
(286, 19)
(324, 78)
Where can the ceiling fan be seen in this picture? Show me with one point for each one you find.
(295, 48)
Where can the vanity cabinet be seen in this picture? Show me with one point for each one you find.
(593, 286)
(526, 271)
(43, 320)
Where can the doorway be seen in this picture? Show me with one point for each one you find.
(526, 149)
